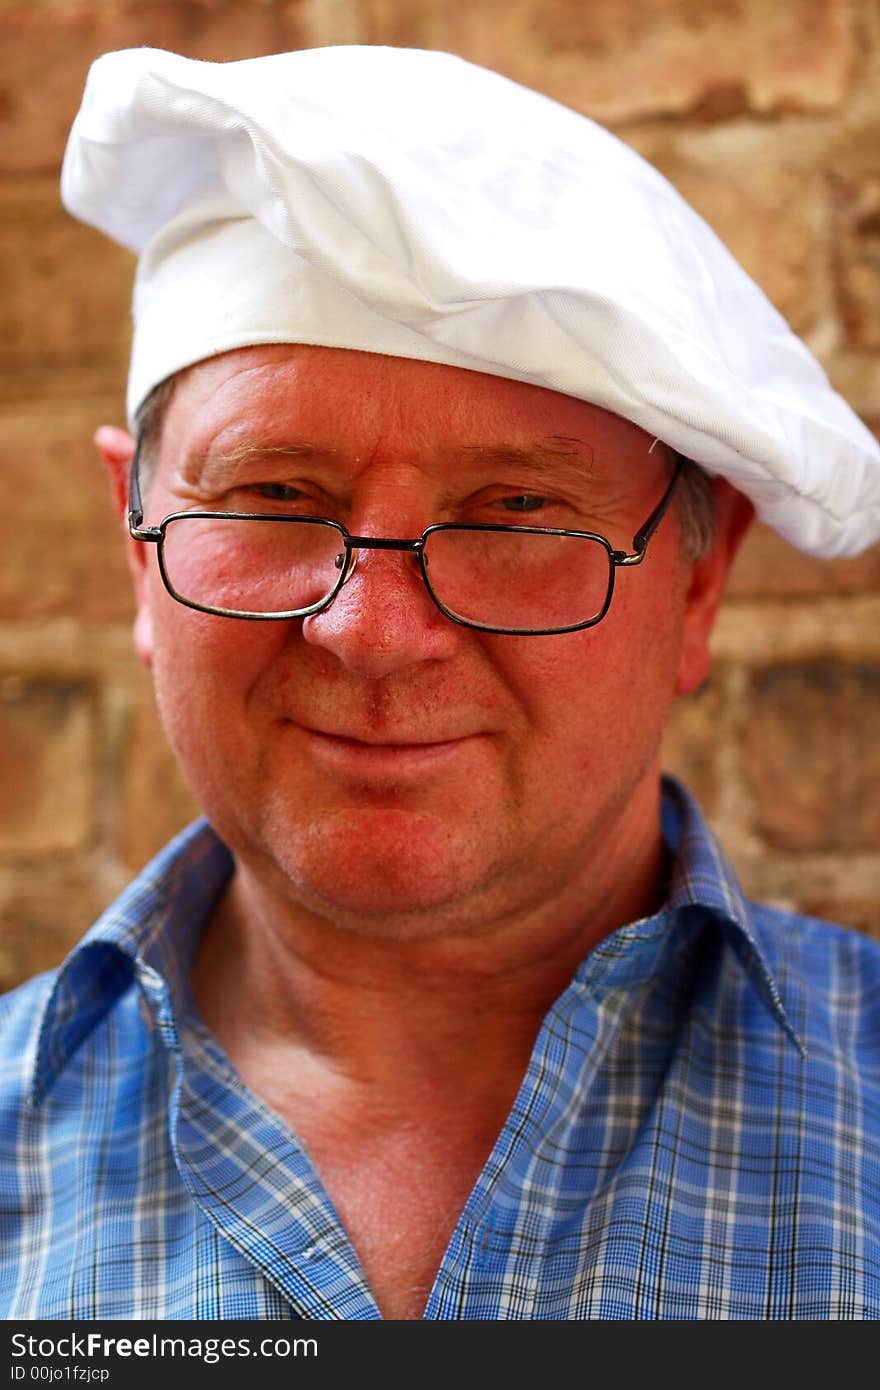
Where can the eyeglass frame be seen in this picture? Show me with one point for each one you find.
(618, 559)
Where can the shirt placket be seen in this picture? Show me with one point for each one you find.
(252, 1181)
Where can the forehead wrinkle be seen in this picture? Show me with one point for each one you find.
(235, 459)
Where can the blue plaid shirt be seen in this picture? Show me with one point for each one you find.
(696, 1135)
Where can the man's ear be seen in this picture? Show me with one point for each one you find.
(116, 447)
(707, 580)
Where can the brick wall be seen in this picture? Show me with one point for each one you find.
(766, 116)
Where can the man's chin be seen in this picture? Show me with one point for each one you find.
(395, 873)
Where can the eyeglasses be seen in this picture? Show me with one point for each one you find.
(525, 581)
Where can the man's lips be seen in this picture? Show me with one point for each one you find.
(382, 755)
(395, 742)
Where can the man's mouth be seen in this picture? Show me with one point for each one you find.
(393, 756)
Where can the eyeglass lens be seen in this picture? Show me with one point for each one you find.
(251, 566)
(517, 579)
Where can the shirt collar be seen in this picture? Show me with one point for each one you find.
(150, 934)
(703, 878)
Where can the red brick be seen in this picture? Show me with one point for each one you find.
(767, 566)
(857, 257)
(618, 61)
(63, 549)
(803, 54)
(45, 907)
(47, 49)
(856, 375)
(691, 745)
(318, 23)
(46, 792)
(216, 31)
(157, 799)
(29, 945)
(65, 291)
(849, 912)
(812, 756)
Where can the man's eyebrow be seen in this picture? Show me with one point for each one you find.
(237, 457)
(248, 450)
(542, 456)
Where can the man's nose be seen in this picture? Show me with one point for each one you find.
(383, 619)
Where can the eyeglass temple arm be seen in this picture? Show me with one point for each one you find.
(644, 534)
(135, 503)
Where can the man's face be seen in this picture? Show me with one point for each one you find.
(376, 763)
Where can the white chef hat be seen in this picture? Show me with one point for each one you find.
(411, 203)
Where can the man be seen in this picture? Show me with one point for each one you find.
(449, 1009)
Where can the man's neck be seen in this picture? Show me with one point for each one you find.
(409, 1008)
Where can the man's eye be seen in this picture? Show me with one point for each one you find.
(277, 492)
(524, 502)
